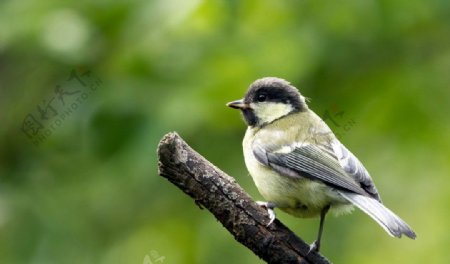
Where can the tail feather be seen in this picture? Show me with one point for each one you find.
(390, 222)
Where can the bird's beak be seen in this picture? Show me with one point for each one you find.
(238, 104)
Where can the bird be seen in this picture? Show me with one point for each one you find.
(298, 164)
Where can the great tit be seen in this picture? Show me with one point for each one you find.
(298, 164)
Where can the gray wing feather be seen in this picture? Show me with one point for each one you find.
(309, 161)
(353, 167)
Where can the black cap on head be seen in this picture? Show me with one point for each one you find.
(276, 90)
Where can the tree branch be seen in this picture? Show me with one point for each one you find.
(230, 204)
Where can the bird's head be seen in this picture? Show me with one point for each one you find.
(269, 99)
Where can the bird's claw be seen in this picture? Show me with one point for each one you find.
(269, 206)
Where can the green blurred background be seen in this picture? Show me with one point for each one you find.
(89, 192)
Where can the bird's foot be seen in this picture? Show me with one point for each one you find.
(314, 247)
(269, 206)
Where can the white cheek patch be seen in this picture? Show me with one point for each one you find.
(268, 112)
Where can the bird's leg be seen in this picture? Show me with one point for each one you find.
(269, 206)
(316, 245)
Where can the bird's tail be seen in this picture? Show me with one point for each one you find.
(390, 222)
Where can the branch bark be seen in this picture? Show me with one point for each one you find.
(230, 204)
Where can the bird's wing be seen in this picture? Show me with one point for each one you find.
(335, 166)
(316, 162)
(353, 167)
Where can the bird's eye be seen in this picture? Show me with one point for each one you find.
(261, 98)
